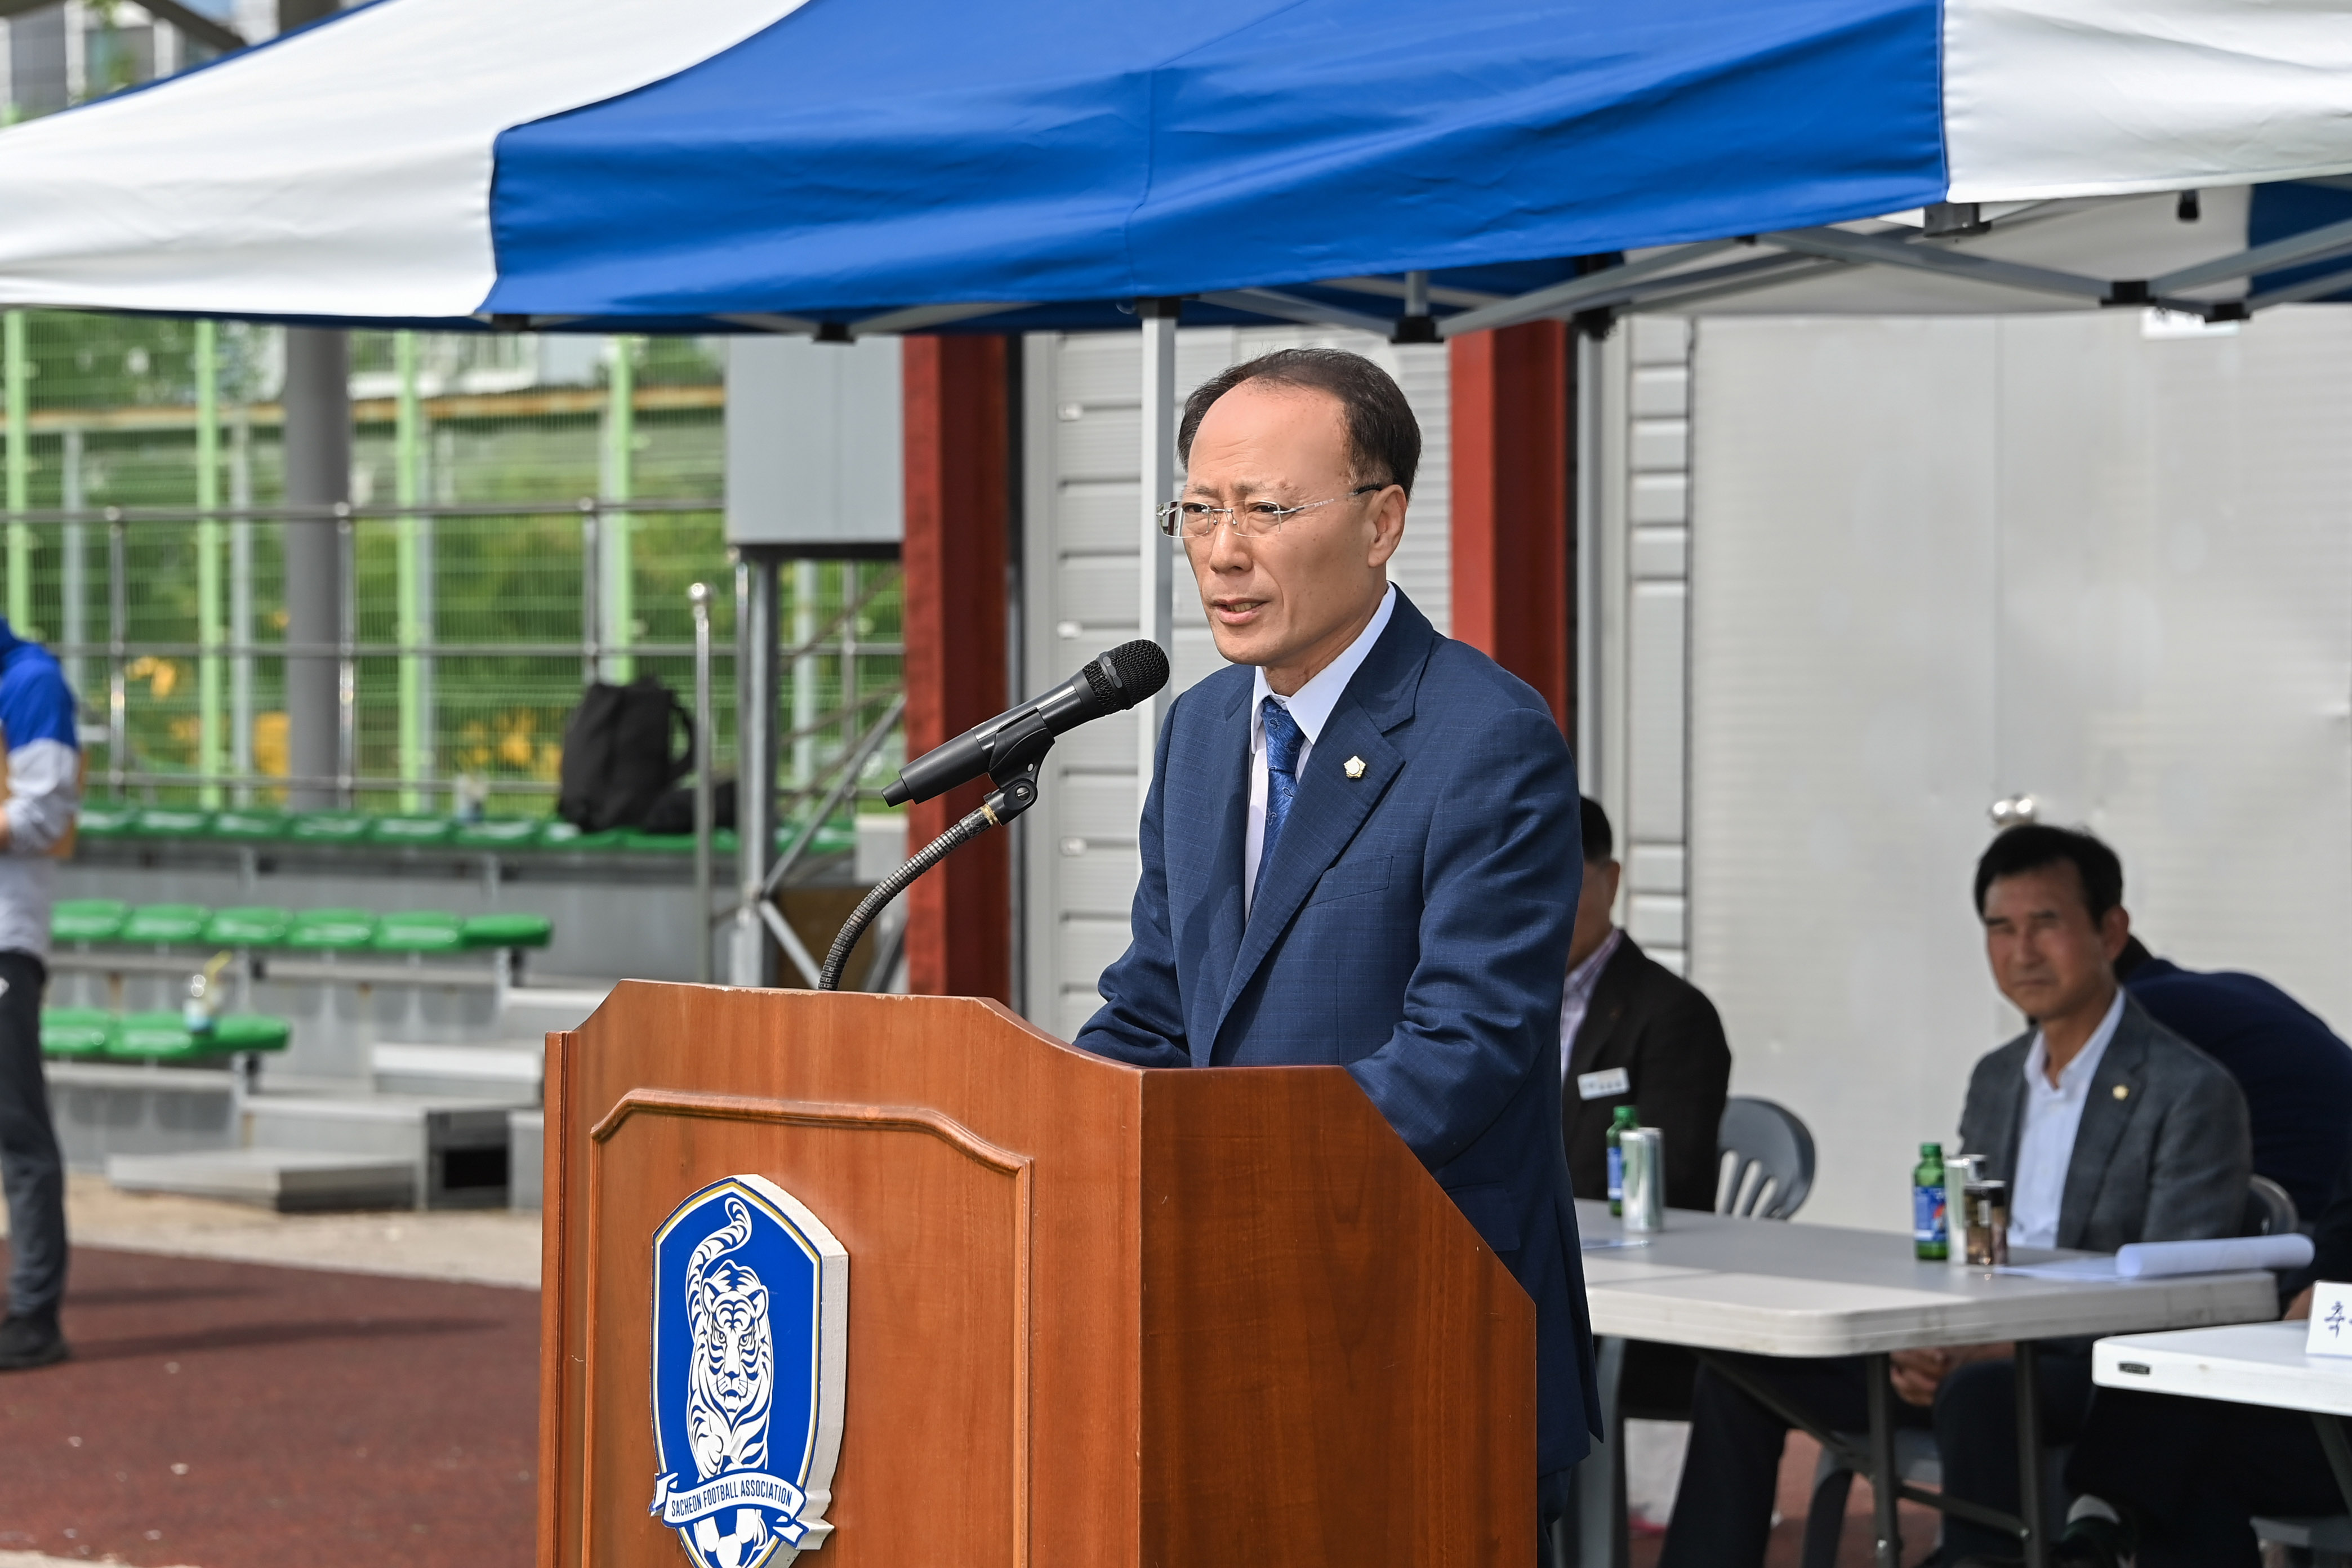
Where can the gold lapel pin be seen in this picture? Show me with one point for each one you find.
(2123, 1091)
(1354, 766)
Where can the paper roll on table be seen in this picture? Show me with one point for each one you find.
(2227, 1254)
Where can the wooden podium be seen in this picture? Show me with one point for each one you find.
(1097, 1316)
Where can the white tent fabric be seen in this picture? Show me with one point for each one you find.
(896, 164)
(2088, 97)
(344, 169)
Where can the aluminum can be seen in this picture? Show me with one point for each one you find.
(1644, 1149)
(1961, 1172)
(1988, 1216)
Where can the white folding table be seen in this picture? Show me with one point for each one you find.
(2243, 1363)
(1716, 1283)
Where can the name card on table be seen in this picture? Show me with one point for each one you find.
(2331, 1320)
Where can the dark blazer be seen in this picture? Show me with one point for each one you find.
(1412, 927)
(1665, 1034)
(2296, 1074)
(2167, 1160)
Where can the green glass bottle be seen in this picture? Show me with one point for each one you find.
(1624, 1116)
(1930, 1226)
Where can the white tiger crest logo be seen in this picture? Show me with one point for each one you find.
(747, 1377)
(734, 1352)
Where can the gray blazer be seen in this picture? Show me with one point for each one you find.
(2163, 1152)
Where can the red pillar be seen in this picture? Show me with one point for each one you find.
(1513, 454)
(959, 915)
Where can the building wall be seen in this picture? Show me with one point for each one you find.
(1083, 399)
(1940, 561)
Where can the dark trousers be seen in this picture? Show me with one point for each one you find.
(2193, 1472)
(30, 1168)
(1723, 1510)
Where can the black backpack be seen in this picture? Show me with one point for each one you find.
(624, 747)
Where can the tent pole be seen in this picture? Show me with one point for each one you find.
(755, 757)
(20, 471)
(210, 757)
(408, 437)
(318, 444)
(1156, 580)
(240, 600)
(618, 615)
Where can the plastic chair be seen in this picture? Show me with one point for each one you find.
(249, 925)
(410, 830)
(1767, 1155)
(86, 920)
(419, 930)
(328, 827)
(2270, 1210)
(242, 826)
(507, 929)
(163, 925)
(332, 931)
(75, 1031)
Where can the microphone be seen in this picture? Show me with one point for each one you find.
(1112, 683)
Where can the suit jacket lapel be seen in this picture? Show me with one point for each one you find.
(1211, 932)
(2106, 1114)
(1331, 806)
(1604, 1012)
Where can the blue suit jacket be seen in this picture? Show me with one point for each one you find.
(1413, 927)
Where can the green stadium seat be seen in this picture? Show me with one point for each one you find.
(170, 822)
(155, 1036)
(419, 930)
(506, 928)
(410, 830)
(328, 827)
(567, 836)
(498, 833)
(249, 925)
(332, 931)
(248, 827)
(250, 1032)
(106, 821)
(86, 920)
(164, 924)
(75, 1031)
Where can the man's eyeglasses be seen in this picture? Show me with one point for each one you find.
(1198, 519)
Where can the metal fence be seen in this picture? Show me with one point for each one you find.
(171, 628)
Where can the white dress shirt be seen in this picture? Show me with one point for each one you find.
(1577, 998)
(2045, 1145)
(1310, 707)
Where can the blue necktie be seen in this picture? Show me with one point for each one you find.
(1283, 740)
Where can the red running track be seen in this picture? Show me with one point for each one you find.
(234, 1415)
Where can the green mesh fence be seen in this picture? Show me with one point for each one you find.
(473, 634)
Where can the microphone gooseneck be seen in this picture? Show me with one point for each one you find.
(1010, 749)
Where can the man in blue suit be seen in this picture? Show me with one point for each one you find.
(1359, 848)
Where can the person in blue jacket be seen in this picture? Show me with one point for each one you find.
(44, 794)
(1360, 846)
(2295, 1072)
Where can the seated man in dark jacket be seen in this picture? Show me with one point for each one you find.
(2109, 1129)
(1632, 1032)
(2178, 1481)
(2296, 1074)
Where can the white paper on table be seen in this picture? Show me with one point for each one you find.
(2221, 1255)
(2095, 1267)
(2331, 1320)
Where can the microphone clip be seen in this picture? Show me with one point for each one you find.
(1020, 754)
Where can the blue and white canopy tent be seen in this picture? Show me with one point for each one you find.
(880, 166)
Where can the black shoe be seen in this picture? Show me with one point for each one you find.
(2092, 1542)
(32, 1341)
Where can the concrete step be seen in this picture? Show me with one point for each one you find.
(288, 1180)
(509, 1070)
(104, 1109)
(526, 1159)
(457, 1147)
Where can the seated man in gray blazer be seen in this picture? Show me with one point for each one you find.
(2107, 1128)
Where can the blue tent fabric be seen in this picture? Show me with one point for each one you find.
(862, 153)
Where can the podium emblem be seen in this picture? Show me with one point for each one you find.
(750, 1319)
